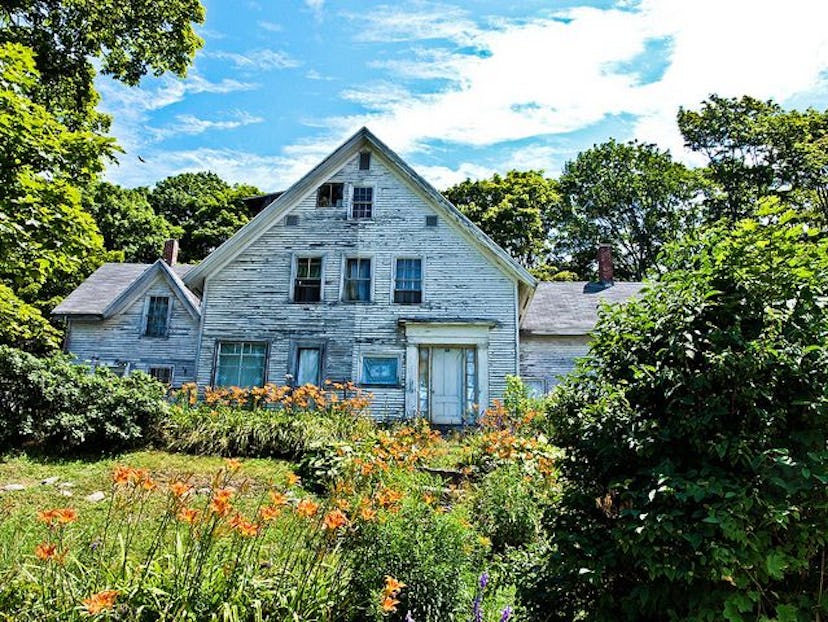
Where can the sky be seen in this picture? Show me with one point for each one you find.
(459, 89)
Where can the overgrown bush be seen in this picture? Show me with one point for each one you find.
(695, 470)
(56, 406)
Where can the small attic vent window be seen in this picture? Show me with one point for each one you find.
(431, 221)
(364, 161)
(291, 220)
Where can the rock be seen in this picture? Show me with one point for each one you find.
(50, 481)
(96, 497)
(66, 485)
(13, 487)
(67, 493)
(204, 491)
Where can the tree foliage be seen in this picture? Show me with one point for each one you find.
(125, 40)
(695, 438)
(44, 232)
(631, 195)
(128, 222)
(23, 326)
(515, 211)
(755, 149)
(204, 206)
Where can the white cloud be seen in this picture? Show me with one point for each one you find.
(191, 125)
(516, 80)
(271, 26)
(262, 60)
(316, 6)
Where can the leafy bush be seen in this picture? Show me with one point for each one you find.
(695, 441)
(508, 508)
(59, 407)
(431, 550)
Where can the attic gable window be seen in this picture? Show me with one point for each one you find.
(363, 203)
(364, 161)
(330, 195)
(157, 316)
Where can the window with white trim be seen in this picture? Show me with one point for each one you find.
(158, 311)
(357, 281)
(408, 281)
(380, 370)
(362, 205)
(307, 286)
(240, 364)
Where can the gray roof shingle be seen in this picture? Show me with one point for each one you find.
(571, 308)
(103, 286)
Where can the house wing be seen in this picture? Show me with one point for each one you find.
(287, 201)
(137, 288)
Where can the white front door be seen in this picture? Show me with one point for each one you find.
(447, 388)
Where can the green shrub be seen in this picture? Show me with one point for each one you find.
(59, 407)
(434, 553)
(695, 440)
(507, 507)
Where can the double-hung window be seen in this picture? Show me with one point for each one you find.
(362, 205)
(308, 366)
(240, 364)
(157, 316)
(307, 287)
(380, 370)
(408, 281)
(357, 284)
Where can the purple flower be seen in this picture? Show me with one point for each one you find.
(484, 580)
(506, 614)
(408, 617)
(477, 612)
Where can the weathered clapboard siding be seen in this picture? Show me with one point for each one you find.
(549, 357)
(249, 299)
(119, 338)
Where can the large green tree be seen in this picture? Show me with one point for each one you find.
(122, 39)
(128, 222)
(208, 209)
(514, 210)
(694, 436)
(755, 149)
(631, 195)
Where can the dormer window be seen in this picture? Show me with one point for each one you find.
(330, 195)
(157, 316)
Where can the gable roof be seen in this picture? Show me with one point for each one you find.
(113, 286)
(571, 308)
(289, 199)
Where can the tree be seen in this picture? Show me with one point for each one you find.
(125, 40)
(207, 208)
(694, 436)
(128, 222)
(630, 195)
(757, 149)
(44, 232)
(513, 210)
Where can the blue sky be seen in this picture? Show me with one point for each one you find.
(459, 89)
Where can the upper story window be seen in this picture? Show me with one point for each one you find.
(363, 204)
(307, 287)
(408, 281)
(357, 285)
(330, 195)
(364, 161)
(157, 316)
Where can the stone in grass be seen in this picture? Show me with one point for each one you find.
(67, 493)
(50, 481)
(66, 485)
(96, 497)
(13, 487)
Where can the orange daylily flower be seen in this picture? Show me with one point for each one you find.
(248, 529)
(187, 515)
(278, 498)
(100, 602)
(389, 604)
(293, 479)
(233, 464)
(368, 514)
(307, 508)
(335, 519)
(61, 516)
(180, 489)
(392, 586)
(269, 512)
(46, 551)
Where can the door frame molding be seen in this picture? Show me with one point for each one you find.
(474, 334)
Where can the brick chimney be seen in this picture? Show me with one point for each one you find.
(605, 275)
(170, 252)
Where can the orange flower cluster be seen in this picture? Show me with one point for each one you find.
(100, 602)
(220, 501)
(48, 551)
(335, 519)
(389, 594)
(352, 399)
(58, 516)
(124, 476)
(243, 526)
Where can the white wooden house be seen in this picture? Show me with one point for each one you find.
(360, 271)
